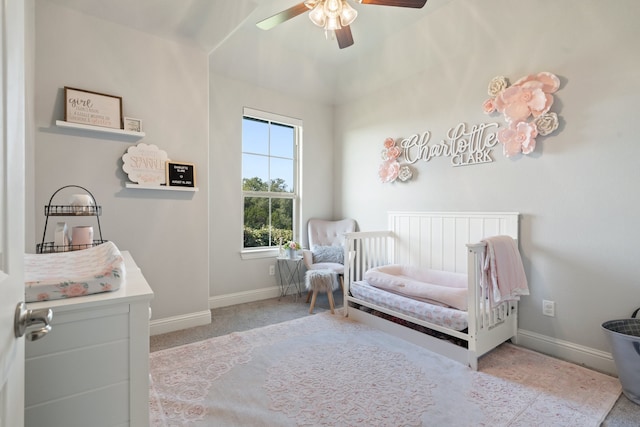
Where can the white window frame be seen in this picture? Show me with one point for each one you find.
(265, 252)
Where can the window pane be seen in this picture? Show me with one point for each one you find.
(282, 215)
(255, 167)
(255, 136)
(282, 141)
(267, 221)
(282, 175)
(256, 222)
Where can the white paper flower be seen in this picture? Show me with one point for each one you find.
(497, 85)
(546, 123)
(405, 174)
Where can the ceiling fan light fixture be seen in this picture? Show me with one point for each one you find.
(333, 23)
(347, 14)
(317, 15)
(331, 14)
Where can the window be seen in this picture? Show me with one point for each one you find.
(269, 178)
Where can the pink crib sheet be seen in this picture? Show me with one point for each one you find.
(437, 314)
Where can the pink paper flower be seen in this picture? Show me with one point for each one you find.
(550, 82)
(393, 152)
(517, 103)
(488, 106)
(518, 138)
(389, 142)
(388, 170)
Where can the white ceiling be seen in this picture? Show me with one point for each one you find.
(293, 57)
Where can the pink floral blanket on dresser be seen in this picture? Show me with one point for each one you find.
(73, 274)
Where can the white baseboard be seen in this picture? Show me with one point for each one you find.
(176, 323)
(571, 352)
(243, 297)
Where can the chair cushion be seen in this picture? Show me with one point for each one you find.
(333, 254)
(335, 267)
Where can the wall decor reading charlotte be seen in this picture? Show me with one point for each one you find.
(525, 106)
(92, 108)
(145, 164)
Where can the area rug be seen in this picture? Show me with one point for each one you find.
(326, 370)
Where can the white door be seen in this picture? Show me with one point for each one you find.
(12, 178)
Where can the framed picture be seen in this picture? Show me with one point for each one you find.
(180, 174)
(92, 108)
(131, 124)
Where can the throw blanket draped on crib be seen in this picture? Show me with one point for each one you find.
(504, 275)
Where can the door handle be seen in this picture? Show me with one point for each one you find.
(25, 318)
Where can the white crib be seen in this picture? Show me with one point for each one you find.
(448, 241)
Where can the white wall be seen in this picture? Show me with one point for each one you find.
(166, 85)
(233, 279)
(577, 193)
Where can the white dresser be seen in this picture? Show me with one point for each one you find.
(92, 369)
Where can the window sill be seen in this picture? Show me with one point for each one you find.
(259, 253)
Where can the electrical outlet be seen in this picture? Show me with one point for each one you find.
(549, 308)
(272, 270)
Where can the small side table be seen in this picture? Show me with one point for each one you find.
(290, 272)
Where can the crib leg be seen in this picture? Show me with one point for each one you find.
(473, 362)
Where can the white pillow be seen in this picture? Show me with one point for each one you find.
(333, 254)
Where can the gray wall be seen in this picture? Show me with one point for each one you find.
(234, 279)
(164, 84)
(577, 192)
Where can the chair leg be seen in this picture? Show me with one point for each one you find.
(341, 277)
(330, 296)
(308, 296)
(313, 301)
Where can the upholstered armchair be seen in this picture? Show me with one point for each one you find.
(326, 244)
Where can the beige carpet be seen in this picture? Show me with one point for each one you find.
(328, 370)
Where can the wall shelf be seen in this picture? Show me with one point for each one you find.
(100, 129)
(159, 187)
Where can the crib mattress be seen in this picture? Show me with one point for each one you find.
(73, 274)
(436, 314)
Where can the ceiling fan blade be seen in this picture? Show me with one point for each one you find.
(399, 3)
(344, 37)
(285, 15)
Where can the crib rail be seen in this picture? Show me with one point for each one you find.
(365, 250)
(482, 315)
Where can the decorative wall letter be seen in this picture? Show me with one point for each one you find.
(525, 106)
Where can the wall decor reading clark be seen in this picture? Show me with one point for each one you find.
(525, 106)
(92, 108)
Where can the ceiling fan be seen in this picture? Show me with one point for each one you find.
(332, 15)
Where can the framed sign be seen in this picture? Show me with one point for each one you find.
(180, 174)
(92, 108)
(131, 124)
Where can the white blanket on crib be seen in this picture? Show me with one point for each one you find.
(503, 273)
(446, 288)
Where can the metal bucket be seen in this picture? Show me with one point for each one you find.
(624, 338)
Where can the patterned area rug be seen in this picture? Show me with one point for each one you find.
(325, 370)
